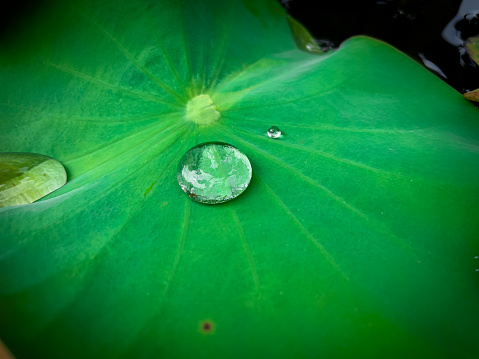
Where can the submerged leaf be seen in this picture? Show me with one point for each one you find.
(472, 48)
(355, 238)
(472, 95)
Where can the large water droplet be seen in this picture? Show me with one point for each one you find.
(214, 172)
(27, 177)
(274, 132)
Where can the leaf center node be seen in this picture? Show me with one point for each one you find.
(201, 110)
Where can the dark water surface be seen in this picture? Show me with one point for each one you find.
(430, 31)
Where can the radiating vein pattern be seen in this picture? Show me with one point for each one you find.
(307, 179)
(247, 251)
(106, 85)
(357, 234)
(308, 235)
(140, 67)
(323, 154)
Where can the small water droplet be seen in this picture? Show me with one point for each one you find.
(476, 257)
(274, 132)
(27, 177)
(214, 172)
(477, 269)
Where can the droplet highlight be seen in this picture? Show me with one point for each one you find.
(27, 177)
(214, 172)
(274, 132)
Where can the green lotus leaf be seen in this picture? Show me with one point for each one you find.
(355, 238)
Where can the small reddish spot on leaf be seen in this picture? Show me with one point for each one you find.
(207, 327)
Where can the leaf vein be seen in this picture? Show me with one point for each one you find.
(303, 229)
(305, 178)
(247, 251)
(106, 85)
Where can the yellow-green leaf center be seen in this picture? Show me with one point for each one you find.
(201, 110)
